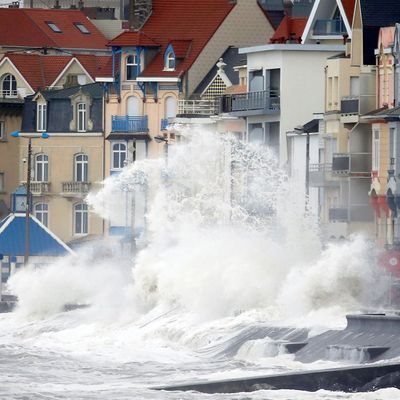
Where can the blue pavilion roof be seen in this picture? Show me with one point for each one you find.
(42, 241)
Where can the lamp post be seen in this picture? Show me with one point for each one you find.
(300, 130)
(43, 135)
(161, 139)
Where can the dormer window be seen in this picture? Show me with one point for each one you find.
(132, 67)
(170, 61)
(8, 86)
(53, 27)
(41, 117)
(82, 28)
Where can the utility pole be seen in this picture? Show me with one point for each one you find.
(28, 203)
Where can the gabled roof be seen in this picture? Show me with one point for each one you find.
(181, 20)
(43, 242)
(40, 71)
(133, 39)
(94, 90)
(289, 29)
(28, 27)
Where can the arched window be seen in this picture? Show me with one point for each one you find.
(81, 168)
(118, 155)
(41, 168)
(41, 211)
(9, 86)
(81, 219)
(132, 67)
(170, 60)
(170, 107)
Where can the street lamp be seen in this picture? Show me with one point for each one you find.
(43, 135)
(161, 139)
(300, 130)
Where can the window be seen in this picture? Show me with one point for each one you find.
(170, 60)
(392, 150)
(41, 168)
(132, 67)
(41, 211)
(9, 86)
(41, 117)
(80, 219)
(81, 168)
(1, 182)
(118, 155)
(81, 114)
(82, 28)
(376, 151)
(170, 107)
(53, 27)
(2, 130)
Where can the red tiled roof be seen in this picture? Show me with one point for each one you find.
(27, 27)
(289, 29)
(348, 6)
(132, 39)
(41, 71)
(181, 47)
(181, 20)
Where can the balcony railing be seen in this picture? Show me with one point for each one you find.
(75, 188)
(127, 123)
(328, 27)
(266, 100)
(164, 124)
(321, 175)
(197, 108)
(358, 164)
(353, 213)
(8, 93)
(338, 214)
(39, 188)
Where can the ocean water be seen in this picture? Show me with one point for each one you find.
(231, 252)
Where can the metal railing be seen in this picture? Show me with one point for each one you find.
(127, 123)
(75, 187)
(352, 163)
(262, 100)
(197, 107)
(352, 213)
(350, 105)
(324, 27)
(322, 167)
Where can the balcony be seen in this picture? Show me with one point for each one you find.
(338, 214)
(39, 188)
(8, 93)
(75, 189)
(354, 164)
(129, 124)
(329, 27)
(321, 175)
(196, 108)
(164, 124)
(353, 213)
(251, 103)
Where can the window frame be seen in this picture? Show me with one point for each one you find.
(52, 25)
(134, 65)
(2, 182)
(81, 112)
(2, 131)
(119, 152)
(84, 168)
(376, 150)
(81, 211)
(79, 26)
(44, 163)
(11, 91)
(170, 61)
(43, 214)
(41, 117)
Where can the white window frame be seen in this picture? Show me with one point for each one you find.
(170, 61)
(41, 117)
(120, 152)
(2, 183)
(393, 145)
(42, 161)
(81, 115)
(376, 150)
(133, 64)
(9, 86)
(81, 219)
(41, 211)
(81, 168)
(2, 130)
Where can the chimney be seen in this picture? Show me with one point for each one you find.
(288, 7)
(57, 5)
(80, 4)
(133, 22)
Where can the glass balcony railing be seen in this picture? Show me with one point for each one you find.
(327, 27)
(359, 164)
(127, 123)
(250, 101)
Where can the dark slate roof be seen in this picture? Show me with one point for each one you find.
(231, 58)
(376, 14)
(94, 90)
(42, 241)
(275, 17)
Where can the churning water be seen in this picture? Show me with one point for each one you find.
(230, 256)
